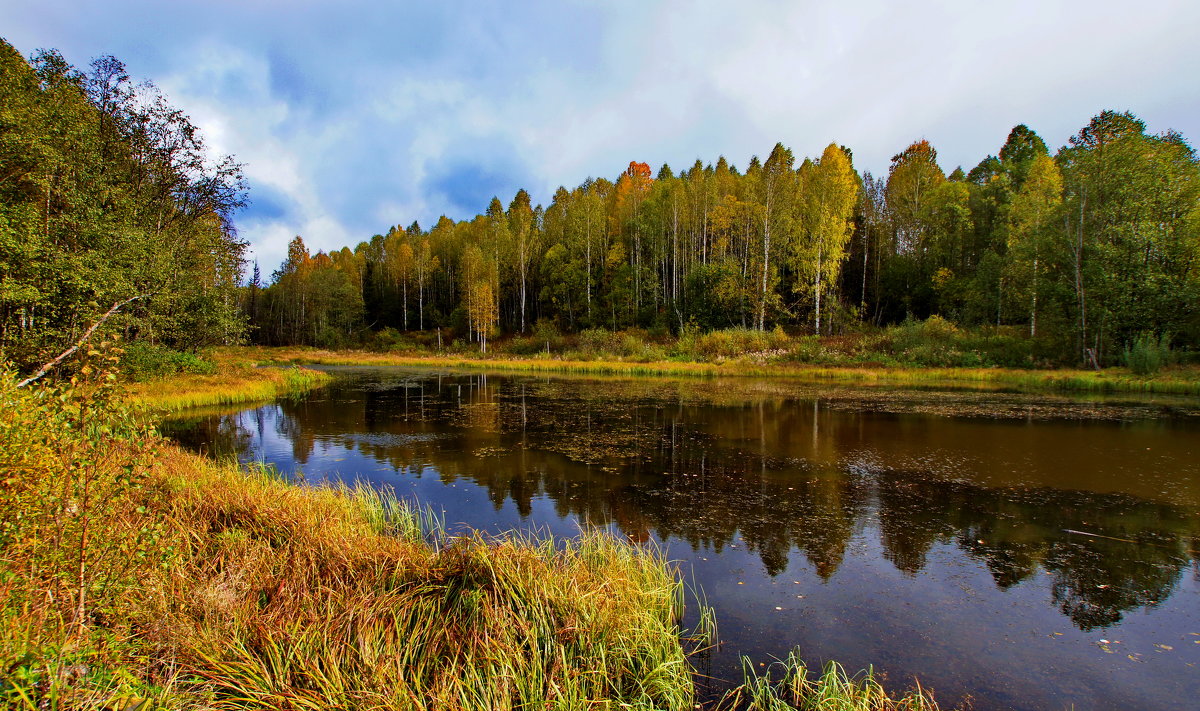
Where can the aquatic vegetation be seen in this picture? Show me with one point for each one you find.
(831, 690)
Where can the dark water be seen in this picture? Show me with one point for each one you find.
(904, 530)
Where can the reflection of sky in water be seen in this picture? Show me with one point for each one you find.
(923, 544)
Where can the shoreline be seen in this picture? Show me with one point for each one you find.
(229, 386)
(1176, 381)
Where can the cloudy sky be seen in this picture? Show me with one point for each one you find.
(352, 116)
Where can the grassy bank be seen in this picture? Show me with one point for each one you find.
(134, 575)
(132, 571)
(232, 383)
(1177, 380)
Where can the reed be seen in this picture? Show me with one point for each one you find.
(1177, 380)
(789, 685)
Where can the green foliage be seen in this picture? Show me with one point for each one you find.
(143, 361)
(1148, 354)
(937, 342)
(832, 690)
(733, 342)
(109, 194)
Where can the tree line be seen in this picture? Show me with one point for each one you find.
(1083, 249)
(111, 210)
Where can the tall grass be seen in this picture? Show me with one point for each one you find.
(231, 385)
(201, 585)
(797, 688)
(1180, 380)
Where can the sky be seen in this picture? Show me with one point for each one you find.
(353, 116)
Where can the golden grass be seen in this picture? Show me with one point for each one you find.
(1178, 380)
(324, 598)
(211, 587)
(234, 384)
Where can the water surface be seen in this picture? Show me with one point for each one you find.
(1029, 552)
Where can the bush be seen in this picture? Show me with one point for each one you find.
(143, 361)
(76, 545)
(1147, 354)
(596, 341)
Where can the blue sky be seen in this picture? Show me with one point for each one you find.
(352, 116)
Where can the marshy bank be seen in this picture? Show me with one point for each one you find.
(942, 536)
(921, 355)
(136, 575)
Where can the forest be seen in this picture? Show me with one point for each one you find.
(111, 208)
(1079, 253)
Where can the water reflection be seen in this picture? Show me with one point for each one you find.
(757, 463)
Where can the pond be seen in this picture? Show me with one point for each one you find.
(1030, 552)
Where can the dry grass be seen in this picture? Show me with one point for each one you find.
(225, 588)
(233, 384)
(1179, 380)
(319, 598)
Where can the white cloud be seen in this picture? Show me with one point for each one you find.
(356, 115)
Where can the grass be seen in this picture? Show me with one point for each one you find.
(797, 688)
(1177, 380)
(131, 572)
(233, 384)
(351, 607)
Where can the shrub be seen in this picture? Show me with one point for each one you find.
(1147, 354)
(142, 361)
(76, 544)
(593, 341)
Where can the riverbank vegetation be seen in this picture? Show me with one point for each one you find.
(134, 575)
(805, 358)
(132, 571)
(233, 384)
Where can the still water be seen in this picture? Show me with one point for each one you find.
(1028, 552)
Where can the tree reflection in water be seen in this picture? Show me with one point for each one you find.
(775, 470)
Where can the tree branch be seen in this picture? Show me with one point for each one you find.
(86, 335)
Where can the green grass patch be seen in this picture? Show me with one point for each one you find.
(789, 685)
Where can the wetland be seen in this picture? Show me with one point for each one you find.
(1027, 552)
